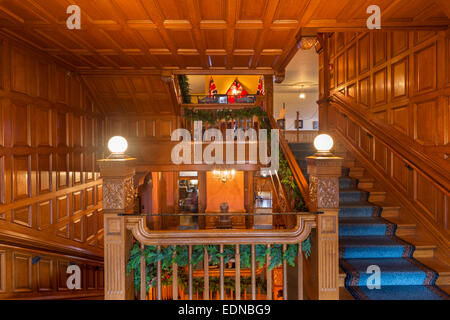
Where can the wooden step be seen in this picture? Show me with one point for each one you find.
(389, 211)
(376, 195)
(366, 183)
(423, 248)
(341, 278)
(404, 227)
(344, 294)
(349, 163)
(356, 172)
(440, 267)
(445, 288)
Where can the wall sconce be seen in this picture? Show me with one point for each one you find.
(224, 175)
(117, 145)
(323, 144)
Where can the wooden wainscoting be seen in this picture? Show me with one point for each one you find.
(50, 192)
(425, 199)
(390, 105)
(398, 79)
(34, 274)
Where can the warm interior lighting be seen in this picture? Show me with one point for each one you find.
(302, 96)
(224, 175)
(323, 143)
(117, 145)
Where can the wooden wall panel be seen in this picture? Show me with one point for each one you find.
(48, 177)
(403, 90)
(38, 274)
(402, 80)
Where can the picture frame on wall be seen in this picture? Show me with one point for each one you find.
(281, 123)
(315, 125)
(298, 124)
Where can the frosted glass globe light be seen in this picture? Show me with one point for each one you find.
(302, 96)
(323, 143)
(117, 144)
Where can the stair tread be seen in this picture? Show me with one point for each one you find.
(406, 292)
(418, 242)
(437, 265)
(402, 222)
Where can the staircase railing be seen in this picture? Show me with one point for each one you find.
(419, 184)
(400, 146)
(299, 178)
(221, 238)
(122, 228)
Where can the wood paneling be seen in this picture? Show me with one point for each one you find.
(426, 197)
(50, 140)
(38, 274)
(402, 94)
(403, 81)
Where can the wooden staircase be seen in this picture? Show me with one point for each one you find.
(406, 229)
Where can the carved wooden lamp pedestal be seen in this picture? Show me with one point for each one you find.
(324, 176)
(118, 197)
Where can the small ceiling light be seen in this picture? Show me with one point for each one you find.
(323, 143)
(117, 145)
(302, 94)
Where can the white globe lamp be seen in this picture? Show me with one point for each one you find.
(117, 145)
(323, 144)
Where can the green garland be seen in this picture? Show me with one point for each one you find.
(184, 88)
(214, 116)
(179, 255)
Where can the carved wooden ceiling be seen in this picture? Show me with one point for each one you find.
(196, 35)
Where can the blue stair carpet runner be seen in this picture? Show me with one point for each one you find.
(366, 239)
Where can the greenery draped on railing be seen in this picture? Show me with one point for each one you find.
(169, 255)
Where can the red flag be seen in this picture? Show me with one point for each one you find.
(236, 90)
(260, 86)
(212, 87)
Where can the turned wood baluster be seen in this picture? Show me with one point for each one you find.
(300, 271)
(268, 275)
(143, 275)
(158, 276)
(222, 277)
(190, 271)
(237, 266)
(206, 275)
(253, 272)
(175, 277)
(285, 291)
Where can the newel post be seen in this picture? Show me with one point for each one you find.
(118, 197)
(324, 174)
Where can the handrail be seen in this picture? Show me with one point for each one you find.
(299, 178)
(400, 146)
(138, 226)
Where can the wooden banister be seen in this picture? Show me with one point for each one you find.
(299, 178)
(404, 148)
(138, 227)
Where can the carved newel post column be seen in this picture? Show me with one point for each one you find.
(118, 197)
(324, 176)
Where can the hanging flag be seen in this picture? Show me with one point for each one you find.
(212, 87)
(260, 91)
(236, 90)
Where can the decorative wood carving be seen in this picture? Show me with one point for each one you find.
(324, 195)
(118, 197)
